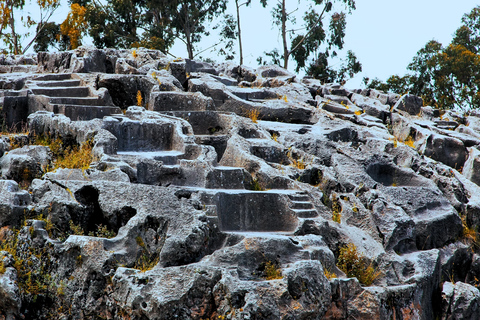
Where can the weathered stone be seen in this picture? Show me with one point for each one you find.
(179, 101)
(447, 150)
(471, 168)
(26, 163)
(13, 202)
(409, 103)
(460, 301)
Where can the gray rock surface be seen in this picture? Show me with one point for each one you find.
(230, 193)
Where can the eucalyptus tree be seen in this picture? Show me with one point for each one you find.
(12, 17)
(444, 76)
(312, 43)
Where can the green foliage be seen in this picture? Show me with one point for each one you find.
(102, 232)
(12, 19)
(355, 265)
(444, 76)
(75, 229)
(312, 48)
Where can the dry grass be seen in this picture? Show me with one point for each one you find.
(336, 209)
(329, 274)
(409, 142)
(356, 265)
(139, 98)
(272, 272)
(76, 158)
(470, 234)
(253, 114)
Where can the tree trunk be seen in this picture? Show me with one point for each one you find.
(284, 36)
(14, 34)
(239, 33)
(188, 33)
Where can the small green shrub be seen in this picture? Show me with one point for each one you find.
(356, 265)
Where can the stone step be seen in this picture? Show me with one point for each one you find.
(306, 213)
(212, 220)
(226, 178)
(168, 157)
(299, 197)
(82, 112)
(84, 101)
(253, 94)
(62, 91)
(211, 210)
(302, 205)
(54, 77)
(165, 101)
(59, 83)
(219, 142)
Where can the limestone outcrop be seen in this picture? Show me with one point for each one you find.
(216, 191)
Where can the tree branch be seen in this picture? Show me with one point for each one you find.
(311, 29)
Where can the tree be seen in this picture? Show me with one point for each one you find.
(313, 44)
(9, 14)
(189, 18)
(74, 25)
(445, 77)
(238, 5)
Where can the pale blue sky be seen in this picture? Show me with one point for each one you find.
(384, 34)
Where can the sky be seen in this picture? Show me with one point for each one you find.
(384, 34)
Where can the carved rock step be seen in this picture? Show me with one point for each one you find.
(85, 101)
(302, 206)
(179, 101)
(81, 112)
(227, 178)
(62, 91)
(54, 77)
(252, 211)
(60, 83)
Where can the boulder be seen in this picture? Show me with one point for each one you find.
(409, 103)
(471, 168)
(13, 203)
(460, 301)
(26, 163)
(448, 150)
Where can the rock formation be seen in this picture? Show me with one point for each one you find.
(224, 192)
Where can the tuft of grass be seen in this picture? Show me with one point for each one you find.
(329, 274)
(253, 114)
(256, 186)
(272, 272)
(355, 265)
(76, 158)
(139, 98)
(274, 137)
(76, 229)
(2, 267)
(145, 263)
(298, 163)
(336, 209)
(470, 233)
(409, 142)
(102, 232)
